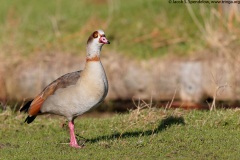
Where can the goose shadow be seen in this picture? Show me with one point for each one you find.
(163, 125)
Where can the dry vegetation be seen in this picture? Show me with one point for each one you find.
(33, 40)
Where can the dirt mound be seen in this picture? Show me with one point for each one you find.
(159, 79)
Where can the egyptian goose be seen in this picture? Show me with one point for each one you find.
(74, 93)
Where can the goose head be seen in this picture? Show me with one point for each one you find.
(95, 42)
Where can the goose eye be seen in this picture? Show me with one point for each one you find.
(95, 34)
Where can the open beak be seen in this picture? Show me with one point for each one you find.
(104, 40)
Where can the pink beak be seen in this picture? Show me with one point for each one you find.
(104, 40)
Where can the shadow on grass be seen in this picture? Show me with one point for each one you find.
(164, 124)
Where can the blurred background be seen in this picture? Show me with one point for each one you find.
(186, 55)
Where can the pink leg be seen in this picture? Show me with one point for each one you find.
(73, 141)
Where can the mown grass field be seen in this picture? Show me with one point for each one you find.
(140, 134)
(138, 28)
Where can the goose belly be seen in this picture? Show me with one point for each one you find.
(75, 100)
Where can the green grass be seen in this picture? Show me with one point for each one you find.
(148, 134)
(135, 27)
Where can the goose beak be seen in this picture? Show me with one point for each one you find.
(104, 40)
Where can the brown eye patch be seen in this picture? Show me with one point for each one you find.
(95, 34)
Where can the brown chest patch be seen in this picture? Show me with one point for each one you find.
(95, 58)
